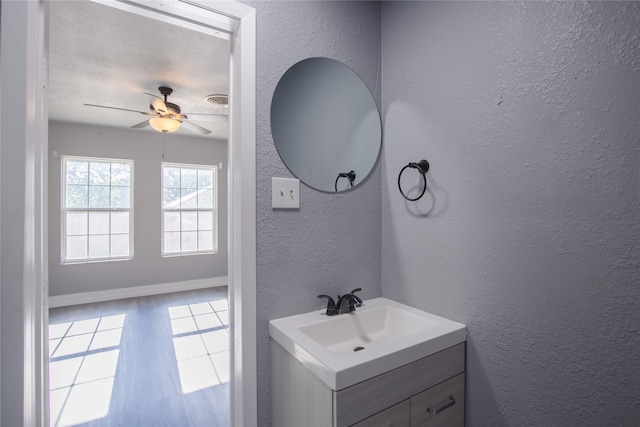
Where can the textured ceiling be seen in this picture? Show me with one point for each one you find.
(101, 55)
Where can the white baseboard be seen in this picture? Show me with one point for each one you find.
(137, 291)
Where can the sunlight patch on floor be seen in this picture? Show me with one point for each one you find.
(201, 344)
(83, 359)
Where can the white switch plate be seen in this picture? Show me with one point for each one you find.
(285, 193)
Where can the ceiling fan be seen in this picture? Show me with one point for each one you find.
(164, 116)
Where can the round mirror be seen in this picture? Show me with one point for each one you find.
(325, 124)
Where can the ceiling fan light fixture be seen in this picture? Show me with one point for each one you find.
(164, 124)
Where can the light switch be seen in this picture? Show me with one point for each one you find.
(285, 193)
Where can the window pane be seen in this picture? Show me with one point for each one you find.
(172, 221)
(77, 172)
(99, 197)
(121, 174)
(98, 246)
(205, 178)
(105, 187)
(171, 177)
(189, 198)
(76, 223)
(172, 242)
(205, 221)
(205, 199)
(205, 240)
(120, 245)
(76, 247)
(77, 196)
(98, 222)
(189, 221)
(120, 197)
(189, 241)
(99, 173)
(171, 198)
(188, 178)
(190, 191)
(119, 222)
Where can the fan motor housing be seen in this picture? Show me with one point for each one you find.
(175, 108)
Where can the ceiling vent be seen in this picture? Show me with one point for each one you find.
(217, 99)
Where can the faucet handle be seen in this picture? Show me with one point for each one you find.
(331, 305)
(357, 298)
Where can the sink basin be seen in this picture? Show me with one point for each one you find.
(359, 330)
(380, 336)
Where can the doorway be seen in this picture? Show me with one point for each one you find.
(239, 22)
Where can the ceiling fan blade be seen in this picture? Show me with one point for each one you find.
(157, 103)
(121, 109)
(194, 128)
(141, 125)
(205, 117)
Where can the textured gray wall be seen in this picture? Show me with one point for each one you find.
(530, 116)
(332, 244)
(148, 266)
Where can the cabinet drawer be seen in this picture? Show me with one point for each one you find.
(364, 399)
(441, 405)
(397, 416)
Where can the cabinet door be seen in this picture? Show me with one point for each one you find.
(397, 416)
(441, 405)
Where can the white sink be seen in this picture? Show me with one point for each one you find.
(381, 335)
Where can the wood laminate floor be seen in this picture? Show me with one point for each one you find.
(156, 361)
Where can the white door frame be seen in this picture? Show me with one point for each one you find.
(239, 22)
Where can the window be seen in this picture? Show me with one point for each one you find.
(189, 209)
(96, 209)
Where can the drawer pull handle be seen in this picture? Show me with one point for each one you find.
(449, 402)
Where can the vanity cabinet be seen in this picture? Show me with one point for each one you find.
(426, 392)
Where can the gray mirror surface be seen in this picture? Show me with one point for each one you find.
(325, 123)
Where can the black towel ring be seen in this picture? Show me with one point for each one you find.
(423, 167)
(351, 176)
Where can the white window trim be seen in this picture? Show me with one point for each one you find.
(64, 210)
(213, 210)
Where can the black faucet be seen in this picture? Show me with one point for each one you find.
(331, 306)
(334, 308)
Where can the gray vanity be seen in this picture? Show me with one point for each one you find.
(386, 364)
